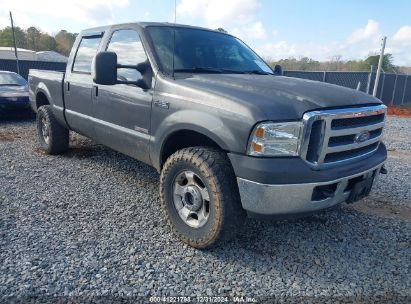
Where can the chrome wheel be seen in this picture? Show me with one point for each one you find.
(45, 130)
(191, 199)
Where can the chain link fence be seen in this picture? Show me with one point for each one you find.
(394, 89)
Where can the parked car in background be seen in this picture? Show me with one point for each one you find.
(14, 92)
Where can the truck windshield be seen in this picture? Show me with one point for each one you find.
(203, 51)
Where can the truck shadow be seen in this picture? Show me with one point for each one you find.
(85, 148)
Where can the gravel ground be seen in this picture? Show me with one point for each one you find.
(87, 226)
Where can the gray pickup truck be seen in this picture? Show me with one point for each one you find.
(230, 137)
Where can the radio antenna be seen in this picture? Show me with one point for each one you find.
(174, 34)
(175, 11)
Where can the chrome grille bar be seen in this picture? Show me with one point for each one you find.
(356, 132)
(372, 127)
(353, 146)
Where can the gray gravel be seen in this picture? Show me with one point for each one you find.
(87, 225)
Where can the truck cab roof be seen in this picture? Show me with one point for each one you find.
(139, 24)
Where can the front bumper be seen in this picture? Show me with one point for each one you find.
(286, 199)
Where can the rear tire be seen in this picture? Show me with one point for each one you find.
(200, 198)
(53, 137)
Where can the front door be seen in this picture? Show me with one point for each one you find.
(122, 111)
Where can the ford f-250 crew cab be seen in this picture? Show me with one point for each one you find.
(229, 136)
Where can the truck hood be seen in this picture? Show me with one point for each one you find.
(276, 97)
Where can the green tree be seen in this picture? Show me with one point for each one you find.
(6, 37)
(65, 41)
(302, 64)
(308, 64)
(356, 65)
(387, 63)
(338, 64)
(33, 36)
(47, 43)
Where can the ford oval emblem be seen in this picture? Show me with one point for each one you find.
(363, 136)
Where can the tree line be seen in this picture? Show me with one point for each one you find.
(36, 40)
(337, 64)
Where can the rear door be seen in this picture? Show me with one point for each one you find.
(78, 86)
(122, 111)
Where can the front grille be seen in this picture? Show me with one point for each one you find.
(350, 139)
(341, 135)
(337, 156)
(356, 121)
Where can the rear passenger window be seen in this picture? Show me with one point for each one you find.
(129, 49)
(85, 54)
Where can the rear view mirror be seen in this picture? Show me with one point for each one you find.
(105, 68)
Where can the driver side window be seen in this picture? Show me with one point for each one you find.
(129, 49)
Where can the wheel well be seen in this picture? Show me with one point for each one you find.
(184, 139)
(41, 100)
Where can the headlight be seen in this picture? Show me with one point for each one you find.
(275, 139)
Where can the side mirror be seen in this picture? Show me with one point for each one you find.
(105, 68)
(278, 69)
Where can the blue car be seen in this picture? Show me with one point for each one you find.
(14, 92)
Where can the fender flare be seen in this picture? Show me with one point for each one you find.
(42, 88)
(190, 120)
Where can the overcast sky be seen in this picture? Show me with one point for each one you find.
(319, 29)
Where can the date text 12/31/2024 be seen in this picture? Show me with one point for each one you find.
(203, 299)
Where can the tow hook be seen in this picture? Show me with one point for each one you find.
(383, 170)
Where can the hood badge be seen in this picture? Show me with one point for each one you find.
(362, 137)
(162, 104)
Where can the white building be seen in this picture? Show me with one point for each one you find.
(50, 56)
(7, 52)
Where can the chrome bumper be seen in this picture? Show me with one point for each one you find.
(284, 199)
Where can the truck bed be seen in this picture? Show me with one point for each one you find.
(49, 83)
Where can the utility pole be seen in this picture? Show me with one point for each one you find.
(377, 77)
(175, 12)
(369, 79)
(14, 42)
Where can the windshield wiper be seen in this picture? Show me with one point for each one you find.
(199, 70)
(258, 72)
(219, 71)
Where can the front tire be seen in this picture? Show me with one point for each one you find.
(200, 198)
(53, 137)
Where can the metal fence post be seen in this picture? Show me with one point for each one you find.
(369, 80)
(394, 89)
(382, 85)
(377, 77)
(403, 92)
(324, 76)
